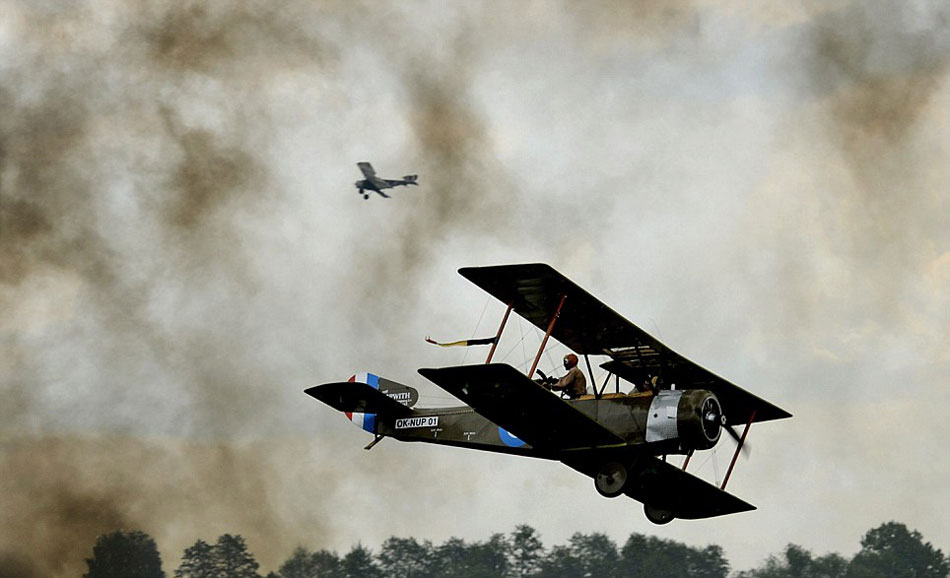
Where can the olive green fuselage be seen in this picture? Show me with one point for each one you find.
(629, 417)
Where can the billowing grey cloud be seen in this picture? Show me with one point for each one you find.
(183, 250)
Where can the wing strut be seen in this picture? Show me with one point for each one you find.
(501, 328)
(603, 387)
(590, 372)
(735, 456)
(686, 461)
(547, 334)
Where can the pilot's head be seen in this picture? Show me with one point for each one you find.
(570, 360)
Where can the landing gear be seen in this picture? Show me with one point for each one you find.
(611, 479)
(657, 516)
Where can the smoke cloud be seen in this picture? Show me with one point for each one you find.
(183, 251)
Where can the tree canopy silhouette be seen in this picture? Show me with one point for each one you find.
(125, 555)
(888, 551)
(228, 558)
(893, 551)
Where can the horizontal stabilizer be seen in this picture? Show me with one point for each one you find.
(507, 397)
(355, 397)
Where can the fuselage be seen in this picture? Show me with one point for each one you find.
(663, 424)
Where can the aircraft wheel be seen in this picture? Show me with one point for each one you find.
(657, 516)
(611, 479)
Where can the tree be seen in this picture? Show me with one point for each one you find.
(561, 563)
(487, 559)
(125, 555)
(327, 564)
(478, 560)
(525, 552)
(597, 554)
(306, 564)
(892, 551)
(406, 558)
(299, 565)
(450, 557)
(359, 563)
(585, 555)
(232, 560)
(797, 562)
(643, 557)
(708, 562)
(197, 562)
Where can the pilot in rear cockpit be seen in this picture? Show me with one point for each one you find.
(573, 384)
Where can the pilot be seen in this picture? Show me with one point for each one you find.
(574, 384)
(650, 385)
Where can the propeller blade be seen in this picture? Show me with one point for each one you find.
(746, 449)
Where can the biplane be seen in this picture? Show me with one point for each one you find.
(374, 183)
(620, 440)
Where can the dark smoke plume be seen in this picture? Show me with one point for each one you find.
(163, 288)
(61, 493)
(123, 201)
(877, 67)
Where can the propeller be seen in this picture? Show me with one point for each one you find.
(712, 418)
(746, 449)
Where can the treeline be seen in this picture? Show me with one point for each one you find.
(888, 551)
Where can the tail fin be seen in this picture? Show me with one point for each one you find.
(408, 396)
(364, 396)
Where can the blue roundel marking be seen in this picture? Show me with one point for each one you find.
(508, 439)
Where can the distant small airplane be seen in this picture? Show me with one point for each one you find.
(374, 183)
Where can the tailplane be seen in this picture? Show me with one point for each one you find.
(364, 396)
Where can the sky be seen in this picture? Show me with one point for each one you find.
(762, 186)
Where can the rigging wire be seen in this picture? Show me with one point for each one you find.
(524, 355)
(716, 469)
(475, 331)
(512, 349)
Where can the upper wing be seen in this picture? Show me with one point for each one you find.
(586, 325)
(507, 397)
(367, 169)
(669, 488)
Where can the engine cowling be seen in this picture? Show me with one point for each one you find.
(692, 417)
(700, 419)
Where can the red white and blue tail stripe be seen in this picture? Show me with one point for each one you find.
(367, 421)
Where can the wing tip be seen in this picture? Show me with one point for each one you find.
(466, 271)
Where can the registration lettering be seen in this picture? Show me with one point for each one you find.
(414, 422)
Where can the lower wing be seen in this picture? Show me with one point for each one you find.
(508, 398)
(667, 487)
